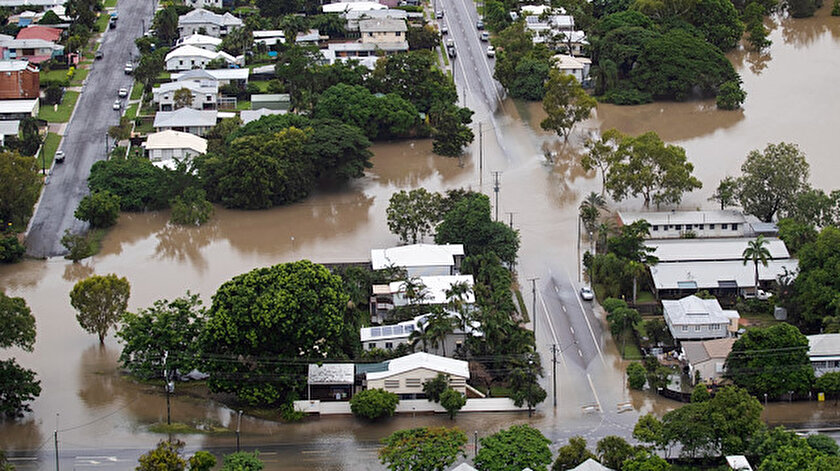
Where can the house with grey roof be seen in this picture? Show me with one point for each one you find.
(693, 318)
(206, 22)
(706, 359)
(384, 31)
(205, 95)
(824, 353)
(330, 381)
(197, 122)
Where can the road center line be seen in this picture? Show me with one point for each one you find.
(551, 326)
(583, 311)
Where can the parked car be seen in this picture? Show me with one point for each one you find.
(112, 23)
(439, 14)
(479, 24)
(129, 68)
(123, 92)
(444, 29)
(450, 43)
(117, 105)
(98, 55)
(59, 157)
(451, 51)
(484, 36)
(587, 294)
(491, 51)
(761, 295)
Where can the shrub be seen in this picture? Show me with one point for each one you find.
(611, 304)
(730, 96)
(636, 376)
(78, 246)
(835, 10)
(191, 208)
(452, 401)
(626, 96)
(373, 404)
(53, 94)
(100, 209)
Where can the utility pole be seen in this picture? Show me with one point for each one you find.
(168, 387)
(476, 441)
(480, 152)
(580, 269)
(496, 190)
(55, 440)
(534, 303)
(554, 372)
(106, 146)
(238, 423)
(510, 213)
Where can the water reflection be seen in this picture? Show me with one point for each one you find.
(98, 377)
(22, 434)
(74, 272)
(803, 32)
(186, 243)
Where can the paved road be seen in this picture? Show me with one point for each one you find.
(84, 140)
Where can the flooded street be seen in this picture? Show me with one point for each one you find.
(792, 96)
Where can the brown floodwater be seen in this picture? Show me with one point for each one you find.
(792, 96)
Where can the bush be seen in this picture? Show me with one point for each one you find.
(636, 377)
(730, 96)
(289, 414)
(626, 96)
(53, 94)
(611, 304)
(191, 208)
(373, 404)
(452, 401)
(100, 209)
(835, 10)
(11, 250)
(78, 246)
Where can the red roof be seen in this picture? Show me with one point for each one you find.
(39, 32)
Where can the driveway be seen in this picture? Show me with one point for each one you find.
(84, 141)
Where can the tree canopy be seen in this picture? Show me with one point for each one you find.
(772, 179)
(385, 117)
(771, 360)
(422, 449)
(566, 103)
(261, 322)
(373, 404)
(412, 215)
(817, 286)
(518, 447)
(571, 455)
(469, 223)
(18, 385)
(100, 301)
(20, 188)
(522, 67)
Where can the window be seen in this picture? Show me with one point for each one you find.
(700, 226)
(718, 367)
(697, 328)
(209, 97)
(412, 382)
(371, 345)
(370, 35)
(389, 345)
(655, 228)
(685, 328)
(724, 226)
(392, 384)
(711, 226)
(399, 34)
(678, 227)
(715, 326)
(735, 227)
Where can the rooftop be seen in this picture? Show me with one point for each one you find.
(698, 352)
(201, 16)
(13, 65)
(199, 87)
(708, 274)
(382, 25)
(416, 255)
(692, 310)
(355, 46)
(423, 360)
(738, 463)
(193, 51)
(564, 62)
(185, 117)
(213, 74)
(39, 32)
(658, 218)
(350, 6)
(195, 39)
(363, 14)
(435, 288)
(590, 465)
(701, 249)
(176, 140)
(252, 115)
(332, 373)
(824, 345)
(18, 106)
(9, 128)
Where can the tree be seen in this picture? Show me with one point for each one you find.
(688, 426)
(718, 21)
(613, 451)
(167, 326)
(385, 117)
(469, 223)
(18, 385)
(20, 188)
(645, 166)
(182, 98)
(450, 131)
(422, 37)
(573, 454)
(242, 461)
(151, 66)
(816, 287)
(518, 447)
(100, 301)
(828, 383)
(700, 393)
(754, 18)
(167, 455)
(240, 41)
(11, 250)
(413, 215)
(772, 179)
(566, 103)
(802, 8)
(452, 401)
(139, 184)
(422, 449)
(757, 252)
(191, 208)
(648, 429)
(601, 154)
(414, 77)
(771, 360)
(823, 444)
(100, 209)
(636, 376)
(730, 95)
(524, 387)
(644, 460)
(590, 210)
(726, 193)
(202, 461)
(735, 417)
(522, 67)
(288, 311)
(435, 387)
(796, 234)
(17, 324)
(121, 131)
(373, 404)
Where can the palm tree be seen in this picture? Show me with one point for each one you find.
(590, 210)
(757, 252)
(439, 324)
(414, 290)
(635, 269)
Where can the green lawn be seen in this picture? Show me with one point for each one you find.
(628, 348)
(644, 297)
(102, 22)
(145, 127)
(65, 109)
(136, 91)
(243, 105)
(51, 143)
(110, 3)
(131, 111)
(164, 77)
(53, 75)
(79, 77)
(262, 84)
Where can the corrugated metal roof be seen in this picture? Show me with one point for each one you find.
(720, 249)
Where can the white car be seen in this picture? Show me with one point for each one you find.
(491, 52)
(59, 157)
(117, 105)
(587, 294)
(761, 295)
(444, 29)
(129, 68)
(123, 92)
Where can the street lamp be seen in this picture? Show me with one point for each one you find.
(238, 423)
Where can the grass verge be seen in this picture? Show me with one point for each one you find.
(131, 111)
(136, 91)
(51, 143)
(243, 105)
(79, 77)
(102, 22)
(522, 307)
(110, 3)
(179, 428)
(62, 113)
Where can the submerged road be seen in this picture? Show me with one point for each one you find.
(85, 136)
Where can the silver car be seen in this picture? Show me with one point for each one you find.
(587, 294)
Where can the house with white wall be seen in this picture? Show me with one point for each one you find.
(678, 224)
(203, 3)
(192, 57)
(206, 22)
(389, 337)
(201, 41)
(428, 291)
(405, 376)
(693, 318)
(197, 122)
(205, 95)
(169, 148)
(420, 259)
(706, 359)
(824, 353)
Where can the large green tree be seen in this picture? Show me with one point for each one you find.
(412, 215)
(521, 66)
(449, 129)
(757, 253)
(772, 179)
(18, 385)
(20, 188)
(166, 456)
(263, 322)
(17, 324)
(100, 209)
(566, 103)
(422, 449)
(139, 184)
(613, 451)
(518, 447)
(647, 167)
(469, 223)
(571, 455)
(167, 329)
(242, 461)
(100, 301)
(373, 404)
(385, 117)
(816, 289)
(415, 77)
(719, 23)
(771, 360)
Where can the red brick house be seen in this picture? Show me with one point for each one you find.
(18, 80)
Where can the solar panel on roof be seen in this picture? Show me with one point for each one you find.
(387, 330)
(375, 331)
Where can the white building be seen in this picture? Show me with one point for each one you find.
(15, 110)
(389, 337)
(707, 358)
(252, 115)
(192, 57)
(360, 50)
(420, 259)
(732, 277)
(202, 21)
(223, 76)
(169, 148)
(354, 16)
(824, 353)
(342, 7)
(405, 376)
(675, 224)
(186, 120)
(383, 30)
(432, 291)
(201, 41)
(204, 94)
(578, 67)
(722, 249)
(8, 129)
(43, 5)
(203, 3)
(692, 318)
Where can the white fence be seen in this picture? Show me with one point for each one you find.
(412, 406)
